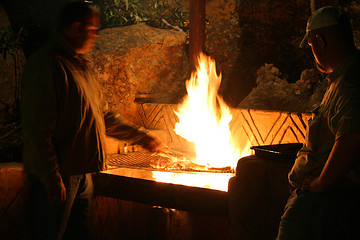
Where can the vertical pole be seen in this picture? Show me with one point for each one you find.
(196, 31)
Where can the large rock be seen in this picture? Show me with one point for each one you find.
(139, 59)
(273, 92)
(265, 32)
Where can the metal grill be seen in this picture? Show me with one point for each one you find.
(148, 161)
(134, 159)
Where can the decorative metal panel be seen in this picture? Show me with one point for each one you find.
(257, 126)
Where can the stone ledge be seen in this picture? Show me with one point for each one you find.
(14, 192)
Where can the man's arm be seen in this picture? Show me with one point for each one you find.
(344, 153)
(123, 131)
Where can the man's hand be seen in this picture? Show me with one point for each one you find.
(149, 143)
(57, 194)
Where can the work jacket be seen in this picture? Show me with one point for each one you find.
(63, 116)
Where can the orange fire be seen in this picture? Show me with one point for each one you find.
(204, 120)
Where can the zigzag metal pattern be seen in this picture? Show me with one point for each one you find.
(159, 117)
(257, 126)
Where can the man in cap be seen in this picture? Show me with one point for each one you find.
(64, 127)
(325, 203)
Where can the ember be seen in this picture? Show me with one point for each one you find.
(217, 181)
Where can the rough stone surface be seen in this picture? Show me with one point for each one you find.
(275, 93)
(14, 192)
(266, 32)
(139, 59)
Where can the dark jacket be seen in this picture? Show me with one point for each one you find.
(62, 113)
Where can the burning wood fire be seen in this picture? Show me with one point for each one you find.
(204, 120)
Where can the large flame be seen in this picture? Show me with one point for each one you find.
(204, 118)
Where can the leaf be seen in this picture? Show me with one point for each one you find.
(126, 4)
(117, 3)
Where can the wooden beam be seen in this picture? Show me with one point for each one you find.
(196, 31)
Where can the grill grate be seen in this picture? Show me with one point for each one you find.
(134, 159)
(148, 161)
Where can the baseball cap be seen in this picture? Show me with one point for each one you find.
(322, 17)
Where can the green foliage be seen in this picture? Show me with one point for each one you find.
(116, 13)
(10, 41)
(120, 12)
(173, 13)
